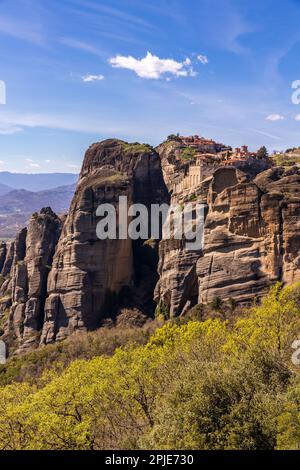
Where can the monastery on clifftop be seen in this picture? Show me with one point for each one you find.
(209, 156)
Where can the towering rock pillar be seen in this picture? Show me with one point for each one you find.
(33, 254)
(89, 275)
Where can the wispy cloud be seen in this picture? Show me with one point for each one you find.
(265, 134)
(81, 46)
(92, 78)
(14, 122)
(203, 59)
(152, 67)
(9, 129)
(115, 13)
(274, 117)
(172, 10)
(223, 24)
(20, 29)
(272, 64)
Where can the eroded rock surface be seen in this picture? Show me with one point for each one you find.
(58, 277)
(251, 240)
(27, 283)
(91, 278)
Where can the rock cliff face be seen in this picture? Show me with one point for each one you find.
(26, 286)
(92, 278)
(251, 240)
(173, 165)
(58, 277)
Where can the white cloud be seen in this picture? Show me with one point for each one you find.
(48, 161)
(29, 160)
(152, 67)
(297, 118)
(92, 78)
(203, 59)
(274, 117)
(34, 165)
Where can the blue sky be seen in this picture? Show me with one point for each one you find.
(79, 71)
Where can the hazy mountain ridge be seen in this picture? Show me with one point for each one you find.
(17, 206)
(22, 200)
(36, 181)
(5, 189)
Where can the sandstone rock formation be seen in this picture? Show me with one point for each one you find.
(251, 240)
(27, 285)
(173, 165)
(58, 277)
(8, 251)
(91, 278)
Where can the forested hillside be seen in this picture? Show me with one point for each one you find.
(193, 384)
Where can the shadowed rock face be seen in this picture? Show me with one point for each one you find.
(8, 252)
(32, 259)
(3, 252)
(91, 277)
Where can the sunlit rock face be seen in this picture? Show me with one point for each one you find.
(58, 277)
(91, 278)
(251, 240)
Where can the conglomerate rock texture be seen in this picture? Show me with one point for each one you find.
(251, 240)
(26, 286)
(91, 278)
(58, 277)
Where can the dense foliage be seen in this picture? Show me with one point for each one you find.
(194, 385)
(262, 153)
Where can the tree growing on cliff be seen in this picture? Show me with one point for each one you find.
(262, 153)
(217, 304)
(174, 137)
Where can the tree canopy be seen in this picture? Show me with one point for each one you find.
(194, 385)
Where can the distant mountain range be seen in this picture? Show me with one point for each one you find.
(34, 182)
(17, 205)
(4, 189)
(22, 201)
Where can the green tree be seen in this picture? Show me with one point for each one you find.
(217, 304)
(262, 153)
(289, 421)
(203, 385)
